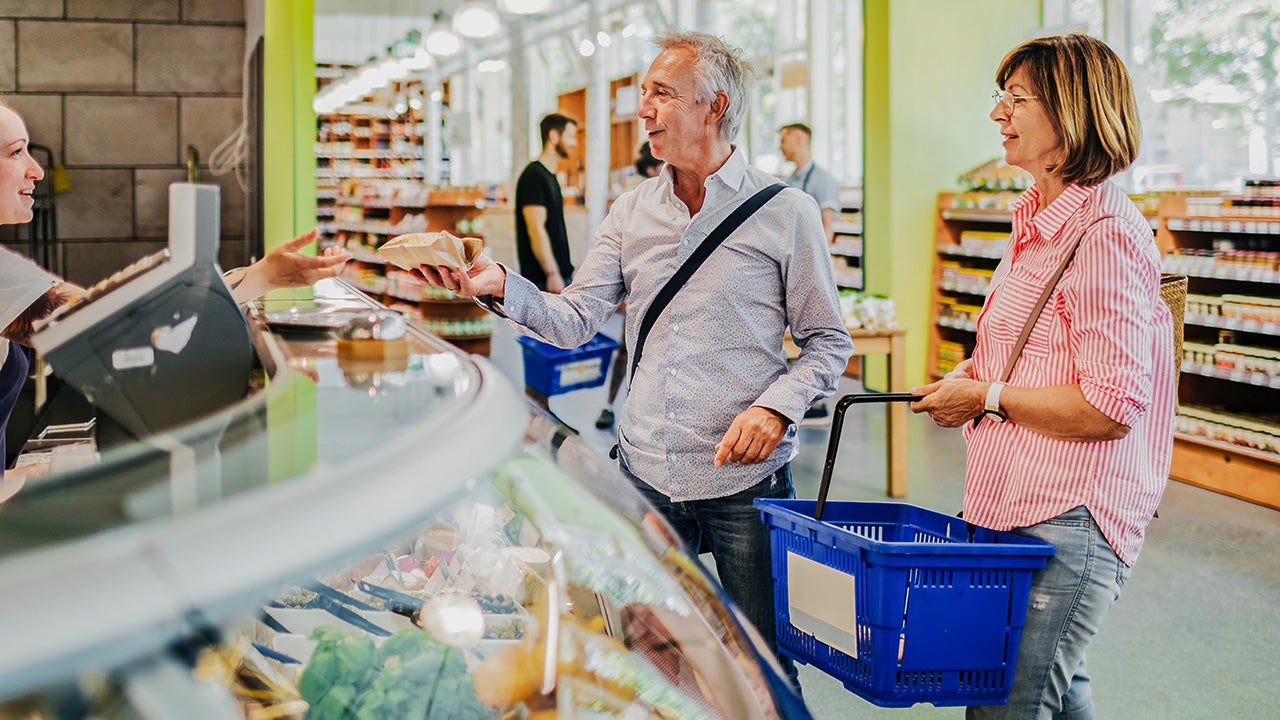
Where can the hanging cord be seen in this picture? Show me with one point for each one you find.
(231, 153)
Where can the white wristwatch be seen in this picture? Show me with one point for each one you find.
(991, 407)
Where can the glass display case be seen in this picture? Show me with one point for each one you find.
(394, 537)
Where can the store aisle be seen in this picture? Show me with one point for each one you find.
(1194, 635)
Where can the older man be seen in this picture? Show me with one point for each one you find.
(709, 423)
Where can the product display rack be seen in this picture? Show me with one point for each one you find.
(456, 210)
(968, 244)
(363, 149)
(1228, 429)
(847, 248)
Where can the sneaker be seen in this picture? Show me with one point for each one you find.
(817, 414)
(605, 421)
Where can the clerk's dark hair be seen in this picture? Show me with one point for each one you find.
(1086, 92)
(554, 121)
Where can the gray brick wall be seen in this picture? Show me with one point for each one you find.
(118, 89)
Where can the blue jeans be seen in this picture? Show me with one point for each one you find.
(1069, 599)
(731, 528)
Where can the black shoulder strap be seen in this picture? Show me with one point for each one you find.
(690, 266)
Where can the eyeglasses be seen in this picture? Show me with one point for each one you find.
(1010, 100)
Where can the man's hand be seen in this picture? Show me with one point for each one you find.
(752, 436)
(952, 401)
(555, 283)
(485, 277)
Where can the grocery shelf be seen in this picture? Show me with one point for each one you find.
(954, 324)
(977, 215)
(847, 247)
(847, 228)
(1249, 452)
(958, 251)
(1246, 226)
(1256, 275)
(957, 288)
(1225, 323)
(1239, 376)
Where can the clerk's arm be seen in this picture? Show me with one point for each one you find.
(22, 326)
(535, 220)
(828, 224)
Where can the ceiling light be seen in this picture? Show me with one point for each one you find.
(629, 31)
(436, 96)
(420, 60)
(603, 39)
(488, 66)
(524, 7)
(441, 39)
(587, 48)
(476, 19)
(391, 69)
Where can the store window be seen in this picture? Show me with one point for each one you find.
(1205, 72)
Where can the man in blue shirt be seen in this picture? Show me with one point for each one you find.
(795, 143)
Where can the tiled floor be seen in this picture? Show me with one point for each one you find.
(1195, 635)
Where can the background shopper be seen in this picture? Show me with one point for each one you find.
(795, 142)
(1075, 448)
(542, 242)
(709, 422)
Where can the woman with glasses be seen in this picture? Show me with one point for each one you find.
(1070, 434)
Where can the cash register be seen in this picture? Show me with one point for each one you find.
(162, 341)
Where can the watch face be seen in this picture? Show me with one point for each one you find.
(995, 416)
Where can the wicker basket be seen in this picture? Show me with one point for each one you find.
(1173, 291)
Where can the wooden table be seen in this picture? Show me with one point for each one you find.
(893, 345)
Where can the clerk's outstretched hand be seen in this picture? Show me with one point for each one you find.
(485, 277)
(751, 437)
(285, 266)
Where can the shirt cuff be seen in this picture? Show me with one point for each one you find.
(1120, 409)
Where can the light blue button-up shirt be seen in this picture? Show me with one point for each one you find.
(717, 349)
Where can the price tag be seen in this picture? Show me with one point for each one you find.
(1238, 376)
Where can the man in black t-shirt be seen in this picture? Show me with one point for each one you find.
(542, 243)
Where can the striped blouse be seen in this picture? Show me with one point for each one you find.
(1105, 329)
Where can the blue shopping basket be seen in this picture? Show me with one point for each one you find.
(902, 604)
(549, 370)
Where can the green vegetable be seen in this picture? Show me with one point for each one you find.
(411, 676)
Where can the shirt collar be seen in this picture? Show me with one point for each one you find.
(731, 173)
(1049, 222)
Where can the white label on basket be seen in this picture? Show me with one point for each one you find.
(580, 372)
(822, 603)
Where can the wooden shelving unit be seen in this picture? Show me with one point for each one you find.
(966, 252)
(847, 249)
(1229, 257)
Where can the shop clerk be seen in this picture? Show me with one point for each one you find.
(28, 293)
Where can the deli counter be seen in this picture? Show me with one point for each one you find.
(394, 536)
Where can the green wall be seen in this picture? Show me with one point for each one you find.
(289, 124)
(929, 73)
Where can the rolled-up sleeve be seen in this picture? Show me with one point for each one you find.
(1116, 284)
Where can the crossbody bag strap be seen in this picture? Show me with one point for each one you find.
(691, 265)
(1044, 299)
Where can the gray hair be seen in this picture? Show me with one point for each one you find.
(718, 67)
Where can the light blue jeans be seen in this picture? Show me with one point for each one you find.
(1069, 598)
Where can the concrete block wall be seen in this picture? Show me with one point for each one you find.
(118, 89)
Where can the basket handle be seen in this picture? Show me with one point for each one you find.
(837, 423)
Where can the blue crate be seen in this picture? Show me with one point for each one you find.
(550, 370)
(936, 618)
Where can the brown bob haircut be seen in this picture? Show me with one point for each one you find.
(1086, 91)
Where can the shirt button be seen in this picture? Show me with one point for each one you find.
(675, 327)
(673, 372)
(671, 416)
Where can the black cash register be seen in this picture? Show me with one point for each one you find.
(162, 341)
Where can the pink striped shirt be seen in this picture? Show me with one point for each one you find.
(1104, 329)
